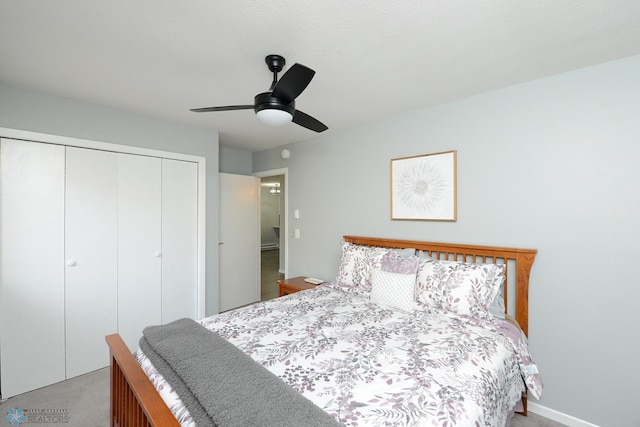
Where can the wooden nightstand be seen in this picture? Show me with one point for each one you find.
(293, 285)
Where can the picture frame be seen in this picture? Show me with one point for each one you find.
(424, 187)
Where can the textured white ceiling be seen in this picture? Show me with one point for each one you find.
(373, 59)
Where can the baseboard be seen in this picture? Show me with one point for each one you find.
(557, 416)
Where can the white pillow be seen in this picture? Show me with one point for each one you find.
(393, 289)
(497, 305)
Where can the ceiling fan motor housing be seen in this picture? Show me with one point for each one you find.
(264, 101)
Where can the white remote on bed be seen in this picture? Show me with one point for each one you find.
(313, 280)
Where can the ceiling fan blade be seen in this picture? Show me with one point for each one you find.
(292, 83)
(227, 108)
(308, 122)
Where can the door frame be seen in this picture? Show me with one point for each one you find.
(284, 233)
(128, 149)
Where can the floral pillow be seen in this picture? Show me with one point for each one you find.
(393, 264)
(356, 263)
(460, 288)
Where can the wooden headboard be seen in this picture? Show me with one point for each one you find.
(518, 265)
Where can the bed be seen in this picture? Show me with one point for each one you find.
(426, 363)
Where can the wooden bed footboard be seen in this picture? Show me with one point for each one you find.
(134, 400)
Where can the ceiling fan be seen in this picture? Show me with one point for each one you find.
(278, 106)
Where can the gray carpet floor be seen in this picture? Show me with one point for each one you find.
(85, 400)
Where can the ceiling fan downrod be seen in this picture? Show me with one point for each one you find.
(276, 64)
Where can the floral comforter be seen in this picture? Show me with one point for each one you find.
(370, 365)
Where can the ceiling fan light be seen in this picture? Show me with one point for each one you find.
(274, 117)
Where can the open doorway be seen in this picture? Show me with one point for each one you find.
(273, 234)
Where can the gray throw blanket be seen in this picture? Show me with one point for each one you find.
(222, 386)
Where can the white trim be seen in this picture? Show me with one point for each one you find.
(202, 235)
(557, 416)
(283, 233)
(128, 149)
(96, 145)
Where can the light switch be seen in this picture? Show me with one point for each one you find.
(296, 214)
(296, 233)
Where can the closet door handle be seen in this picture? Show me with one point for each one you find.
(71, 263)
(157, 254)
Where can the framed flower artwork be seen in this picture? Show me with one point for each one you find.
(424, 187)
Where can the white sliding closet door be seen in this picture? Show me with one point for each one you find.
(31, 265)
(139, 245)
(91, 257)
(179, 240)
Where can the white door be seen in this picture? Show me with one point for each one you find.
(31, 265)
(91, 257)
(139, 245)
(239, 240)
(179, 240)
(119, 225)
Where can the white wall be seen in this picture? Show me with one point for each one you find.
(38, 112)
(551, 164)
